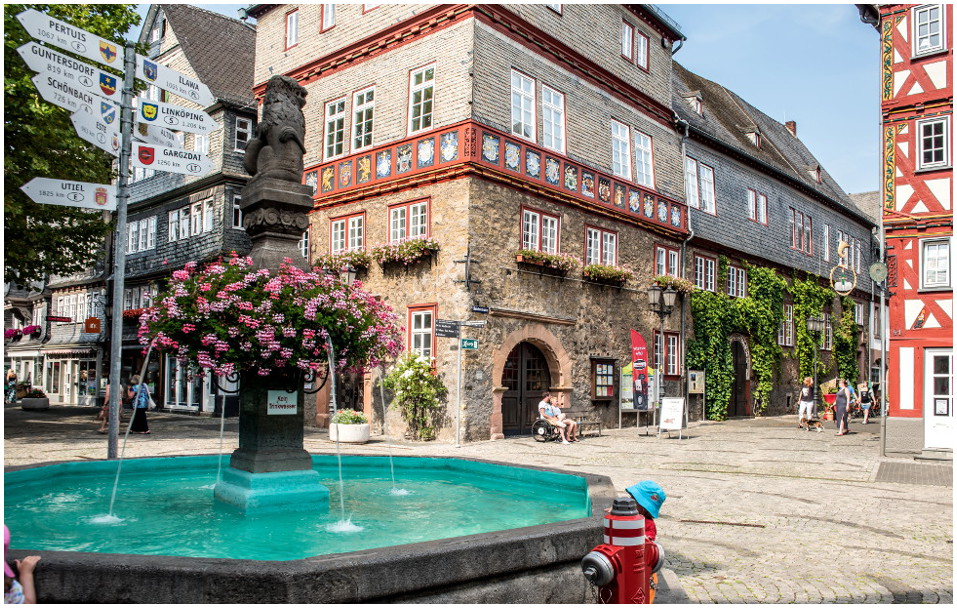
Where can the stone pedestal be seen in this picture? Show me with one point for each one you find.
(275, 216)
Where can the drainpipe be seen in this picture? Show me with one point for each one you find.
(685, 128)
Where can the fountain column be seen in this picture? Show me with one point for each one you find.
(271, 471)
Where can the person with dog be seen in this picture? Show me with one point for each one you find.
(806, 409)
(567, 428)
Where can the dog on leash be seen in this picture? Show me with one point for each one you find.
(807, 425)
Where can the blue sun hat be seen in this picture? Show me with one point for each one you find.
(649, 495)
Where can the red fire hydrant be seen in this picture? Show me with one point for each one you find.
(622, 566)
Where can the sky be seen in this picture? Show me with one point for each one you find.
(815, 64)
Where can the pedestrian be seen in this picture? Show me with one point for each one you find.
(11, 388)
(806, 403)
(140, 396)
(866, 398)
(18, 588)
(841, 405)
(104, 415)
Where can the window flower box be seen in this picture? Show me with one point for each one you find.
(678, 284)
(607, 275)
(406, 252)
(32, 330)
(357, 259)
(12, 334)
(554, 263)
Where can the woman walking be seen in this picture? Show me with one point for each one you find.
(841, 405)
(140, 395)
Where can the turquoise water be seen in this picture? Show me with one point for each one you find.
(166, 507)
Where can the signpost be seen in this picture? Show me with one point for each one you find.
(103, 135)
(174, 117)
(155, 134)
(64, 94)
(48, 191)
(469, 343)
(175, 82)
(70, 38)
(80, 75)
(446, 329)
(172, 160)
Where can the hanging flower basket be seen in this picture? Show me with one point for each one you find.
(32, 330)
(615, 276)
(406, 252)
(12, 334)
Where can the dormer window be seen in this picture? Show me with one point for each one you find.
(159, 27)
(755, 138)
(695, 102)
(815, 173)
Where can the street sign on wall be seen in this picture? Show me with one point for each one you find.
(173, 116)
(172, 160)
(71, 194)
(175, 82)
(46, 61)
(71, 38)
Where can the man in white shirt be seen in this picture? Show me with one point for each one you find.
(551, 412)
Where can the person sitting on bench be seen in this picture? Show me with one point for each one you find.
(553, 414)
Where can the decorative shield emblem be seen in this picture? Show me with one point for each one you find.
(107, 112)
(149, 70)
(149, 111)
(107, 84)
(100, 196)
(146, 155)
(107, 51)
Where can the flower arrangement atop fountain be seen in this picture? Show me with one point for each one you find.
(230, 317)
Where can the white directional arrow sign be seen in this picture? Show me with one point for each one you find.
(155, 134)
(172, 160)
(103, 135)
(81, 75)
(71, 38)
(175, 82)
(65, 94)
(71, 194)
(174, 117)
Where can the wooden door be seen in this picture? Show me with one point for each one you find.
(526, 377)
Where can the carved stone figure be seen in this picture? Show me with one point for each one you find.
(277, 150)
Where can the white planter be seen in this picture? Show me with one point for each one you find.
(35, 403)
(349, 433)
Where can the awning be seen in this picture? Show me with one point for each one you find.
(22, 354)
(68, 352)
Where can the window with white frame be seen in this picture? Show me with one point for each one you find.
(421, 336)
(196, 218)
(208, 215)
(827, 242)
(627, 40)
(244, 132)
(553, 119)
(641, 50)
(828, 333)
(173, 226)
(601, 246)
(704, 273)
(757, 207)
(539, 231)
(304, 244)
(142, 235)
(347, 234)
(523, 106)
(335, 128)
(786, 331)
(363, 109)
(668, 365)
(876, 321)
(928, 32)
(408, 221)
(935, 263)
(620, 149)
(237, 212)
(139, 296)
(667, 261)
(201, 143)
(933, 142)
(800, 227)
(859, 313)
(421, 91)
(699, 185)
(644, 160)
(328, 16)
(139, 174)
(555, 7)
(737, 282)
(292, 28)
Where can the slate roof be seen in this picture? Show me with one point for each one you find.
(869, 203)
(221, 50)
(728, 118)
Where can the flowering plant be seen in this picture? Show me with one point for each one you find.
(418, 394)
(610, 274)
(349, 416)
(134, 313)
(559, 261)
(34, 393)
(230, 317)
(679, 285)
(356, 258)
(405, 252)
(32, 330)
(12, 333)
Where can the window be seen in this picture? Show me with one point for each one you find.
(928, 36)
(694, 102)
(935, 263)
(335, 128)
(328, 16)
(757, 207)
(144, 235)
(666, 261)
(786, 331)
(408, 221)
(704, 273)
(139, 174)
(184, 223)
(737, 282)
(421, 322)
(800, 228)
(196, 218)
(292, 28)
(201, 143)
(539, 231)
(421, 90)
(876, 321)
(133, 232)
(244, 132)
(555, 7)
(304, 244)
(553, 119)
(641, 52)
(828, 333)
(523, 106)
(620, 150)
(933, 147)
(699, 185)
(669, 344)
(347, 234)
(237, 212)
(644, 160)
(859, 313)
(603, 379)
(827, 242)
(627, 40)
(601, 246)
(363, 108)
(140, 296)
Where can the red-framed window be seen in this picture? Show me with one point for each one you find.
(292, 28)
(757, 207)
(347, 233)
(705, 271)
(540, 230)
(409, 220)
(627, 41)
(601, 246)
(667, 261)
(327, 17)
(801, 231)
(421, 332)
(642, 47)
(737, 281)
(669, 344)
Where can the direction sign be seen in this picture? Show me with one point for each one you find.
(172, 160)
(474, 323)
(71, 194)
(175, 82)
(71, 38)
(65, 94)
(480, 309)
(83, 76)
(155, 134)
(103, 135)
(173, 116)
(469, 343)
(446, 329)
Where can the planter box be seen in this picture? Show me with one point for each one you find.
(605, 281)
(541, 266)
(349, 433)
(35, 403)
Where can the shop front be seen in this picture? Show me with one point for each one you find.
(71, 376)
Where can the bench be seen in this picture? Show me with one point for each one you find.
(587, 421)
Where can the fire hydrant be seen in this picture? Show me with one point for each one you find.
(622, 566)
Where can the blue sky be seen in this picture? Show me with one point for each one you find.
(815, 64)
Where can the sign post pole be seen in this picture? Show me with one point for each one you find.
(119, 246)
(458, 399)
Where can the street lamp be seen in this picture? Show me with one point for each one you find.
(815, 325)
(662, 302)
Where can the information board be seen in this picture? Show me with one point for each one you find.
(695, 382)
(281, 403)
(672, 413)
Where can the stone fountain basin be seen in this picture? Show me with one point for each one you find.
(535, 564)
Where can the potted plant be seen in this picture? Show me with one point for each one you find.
(555, 263)
(349, 426)
(609, 275)
(12, 334)
(830, 395)
(678, 284)
(419, 394)
(35, 399)
(32, 330)
(405, 252)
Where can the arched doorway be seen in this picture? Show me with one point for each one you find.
(524, 377)
(739, 394)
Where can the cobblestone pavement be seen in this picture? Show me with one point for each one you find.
(758, 511)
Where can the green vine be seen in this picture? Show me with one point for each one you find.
(809, 300)
(845, 342)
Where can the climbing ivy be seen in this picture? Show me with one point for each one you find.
(809, 300)
(845, 342)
